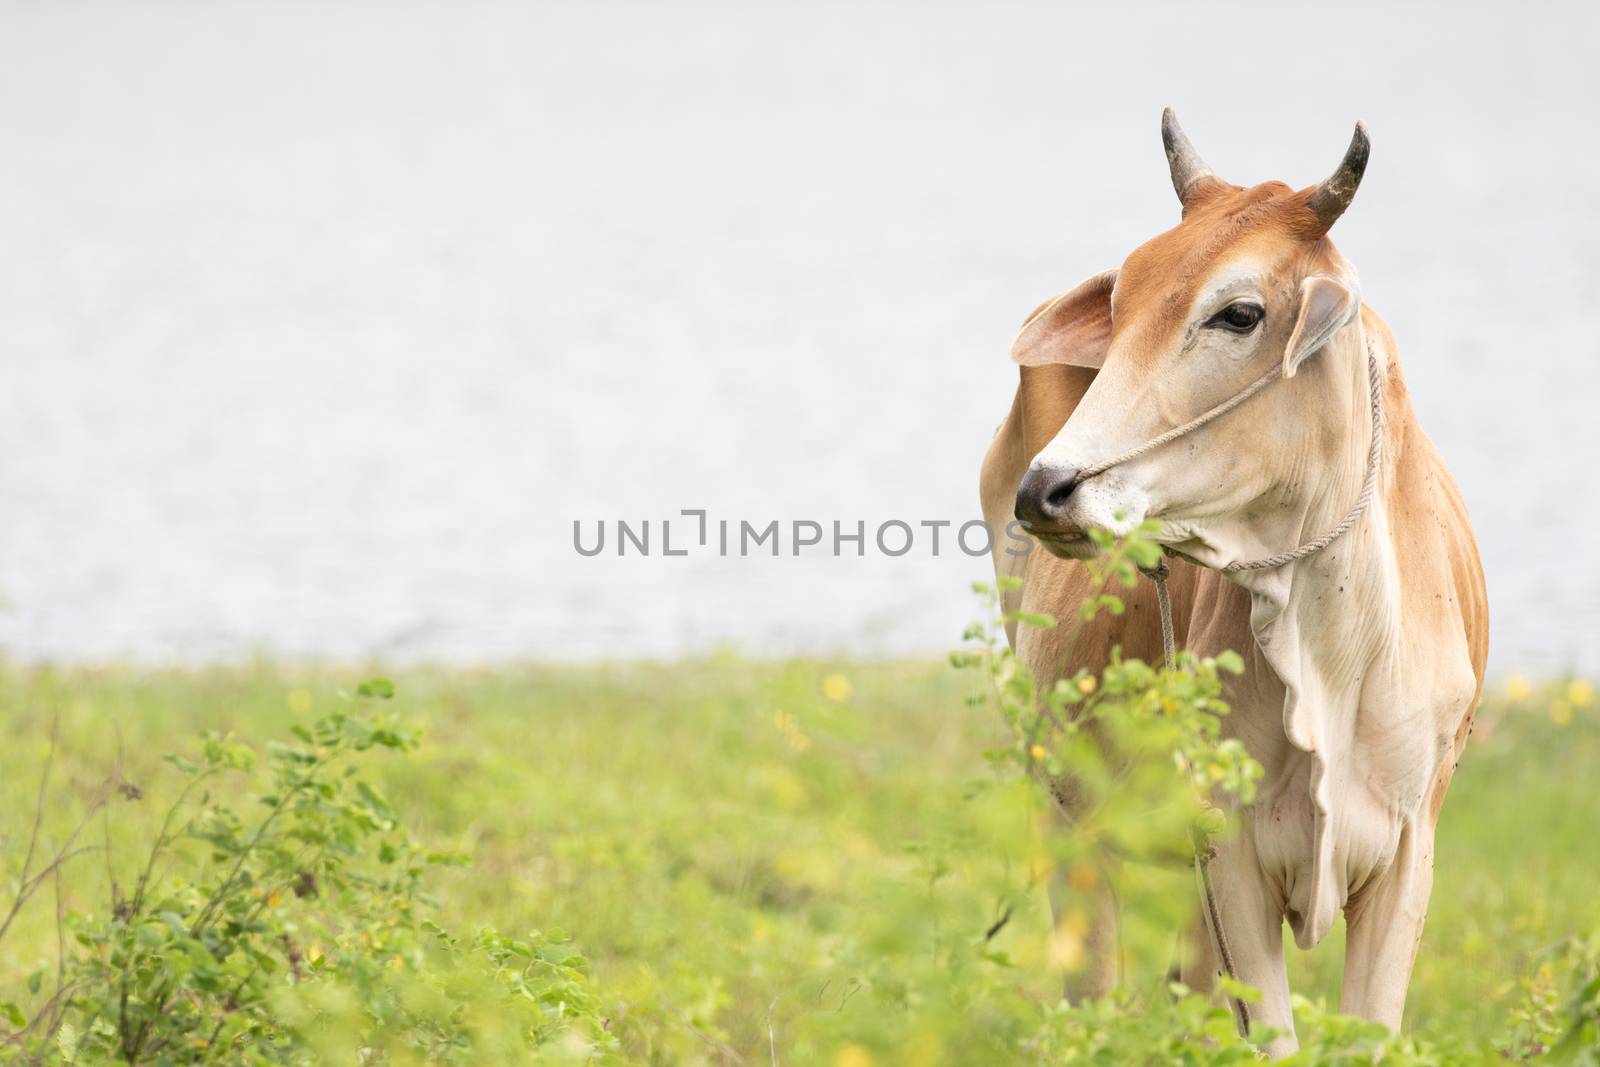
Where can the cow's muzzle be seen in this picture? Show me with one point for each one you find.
(1044, 502)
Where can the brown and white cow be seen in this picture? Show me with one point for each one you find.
(1364, 660)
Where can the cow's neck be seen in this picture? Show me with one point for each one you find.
(1328, 625)
(1349, 591)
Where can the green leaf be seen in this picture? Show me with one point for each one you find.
(67, 1041)
(381, 688)
(1238, 990)
(186, 766)
(1145, 553)
(1230, 661)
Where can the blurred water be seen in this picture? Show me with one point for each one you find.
(321, 324)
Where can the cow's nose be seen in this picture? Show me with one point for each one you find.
(1043, 495)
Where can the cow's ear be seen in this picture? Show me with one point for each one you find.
(1073, 329)
(1327, 304)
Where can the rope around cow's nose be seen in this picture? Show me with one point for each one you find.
(1368, 488)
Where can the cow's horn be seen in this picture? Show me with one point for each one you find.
(1330, 198)
(1188, 169)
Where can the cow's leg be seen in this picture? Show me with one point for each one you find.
(1383, 929)
(1252, 921)
(1099, 973)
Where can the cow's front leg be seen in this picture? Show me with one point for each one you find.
(1098, 975)
(1252, 921)
(1384, 927)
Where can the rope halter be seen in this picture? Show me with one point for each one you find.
(1368, 489)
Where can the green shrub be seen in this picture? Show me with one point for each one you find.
(297, 931)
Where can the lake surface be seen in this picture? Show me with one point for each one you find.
(321, 325)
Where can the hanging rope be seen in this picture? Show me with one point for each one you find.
(1204, 852)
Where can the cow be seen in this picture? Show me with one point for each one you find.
(1314, 529)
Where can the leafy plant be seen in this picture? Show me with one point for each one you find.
(1135, 751)
(296, 927)
(1559, 1015)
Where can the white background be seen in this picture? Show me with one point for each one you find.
(320, 325)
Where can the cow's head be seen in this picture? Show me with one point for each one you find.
(1247, 281)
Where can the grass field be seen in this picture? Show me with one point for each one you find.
(762, 861)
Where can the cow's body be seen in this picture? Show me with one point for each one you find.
(1364, 661)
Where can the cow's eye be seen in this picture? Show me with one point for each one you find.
(1240, 318)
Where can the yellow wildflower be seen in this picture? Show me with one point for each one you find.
(852, 1056)
(789, 727)
(1066, 942)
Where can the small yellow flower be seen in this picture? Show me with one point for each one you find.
(272, 900)
(1037, 752)
(788, 791)
(1518, 688)
(1066, 942)
(1039, 864)
(1580, 692)
(1561, 712)
(837, 687)
(925, 1052)
(314, 953)
(852, 1056)
(789, 727)
(299, 701)
(1086, 684)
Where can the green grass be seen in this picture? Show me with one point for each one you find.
(749, 854)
